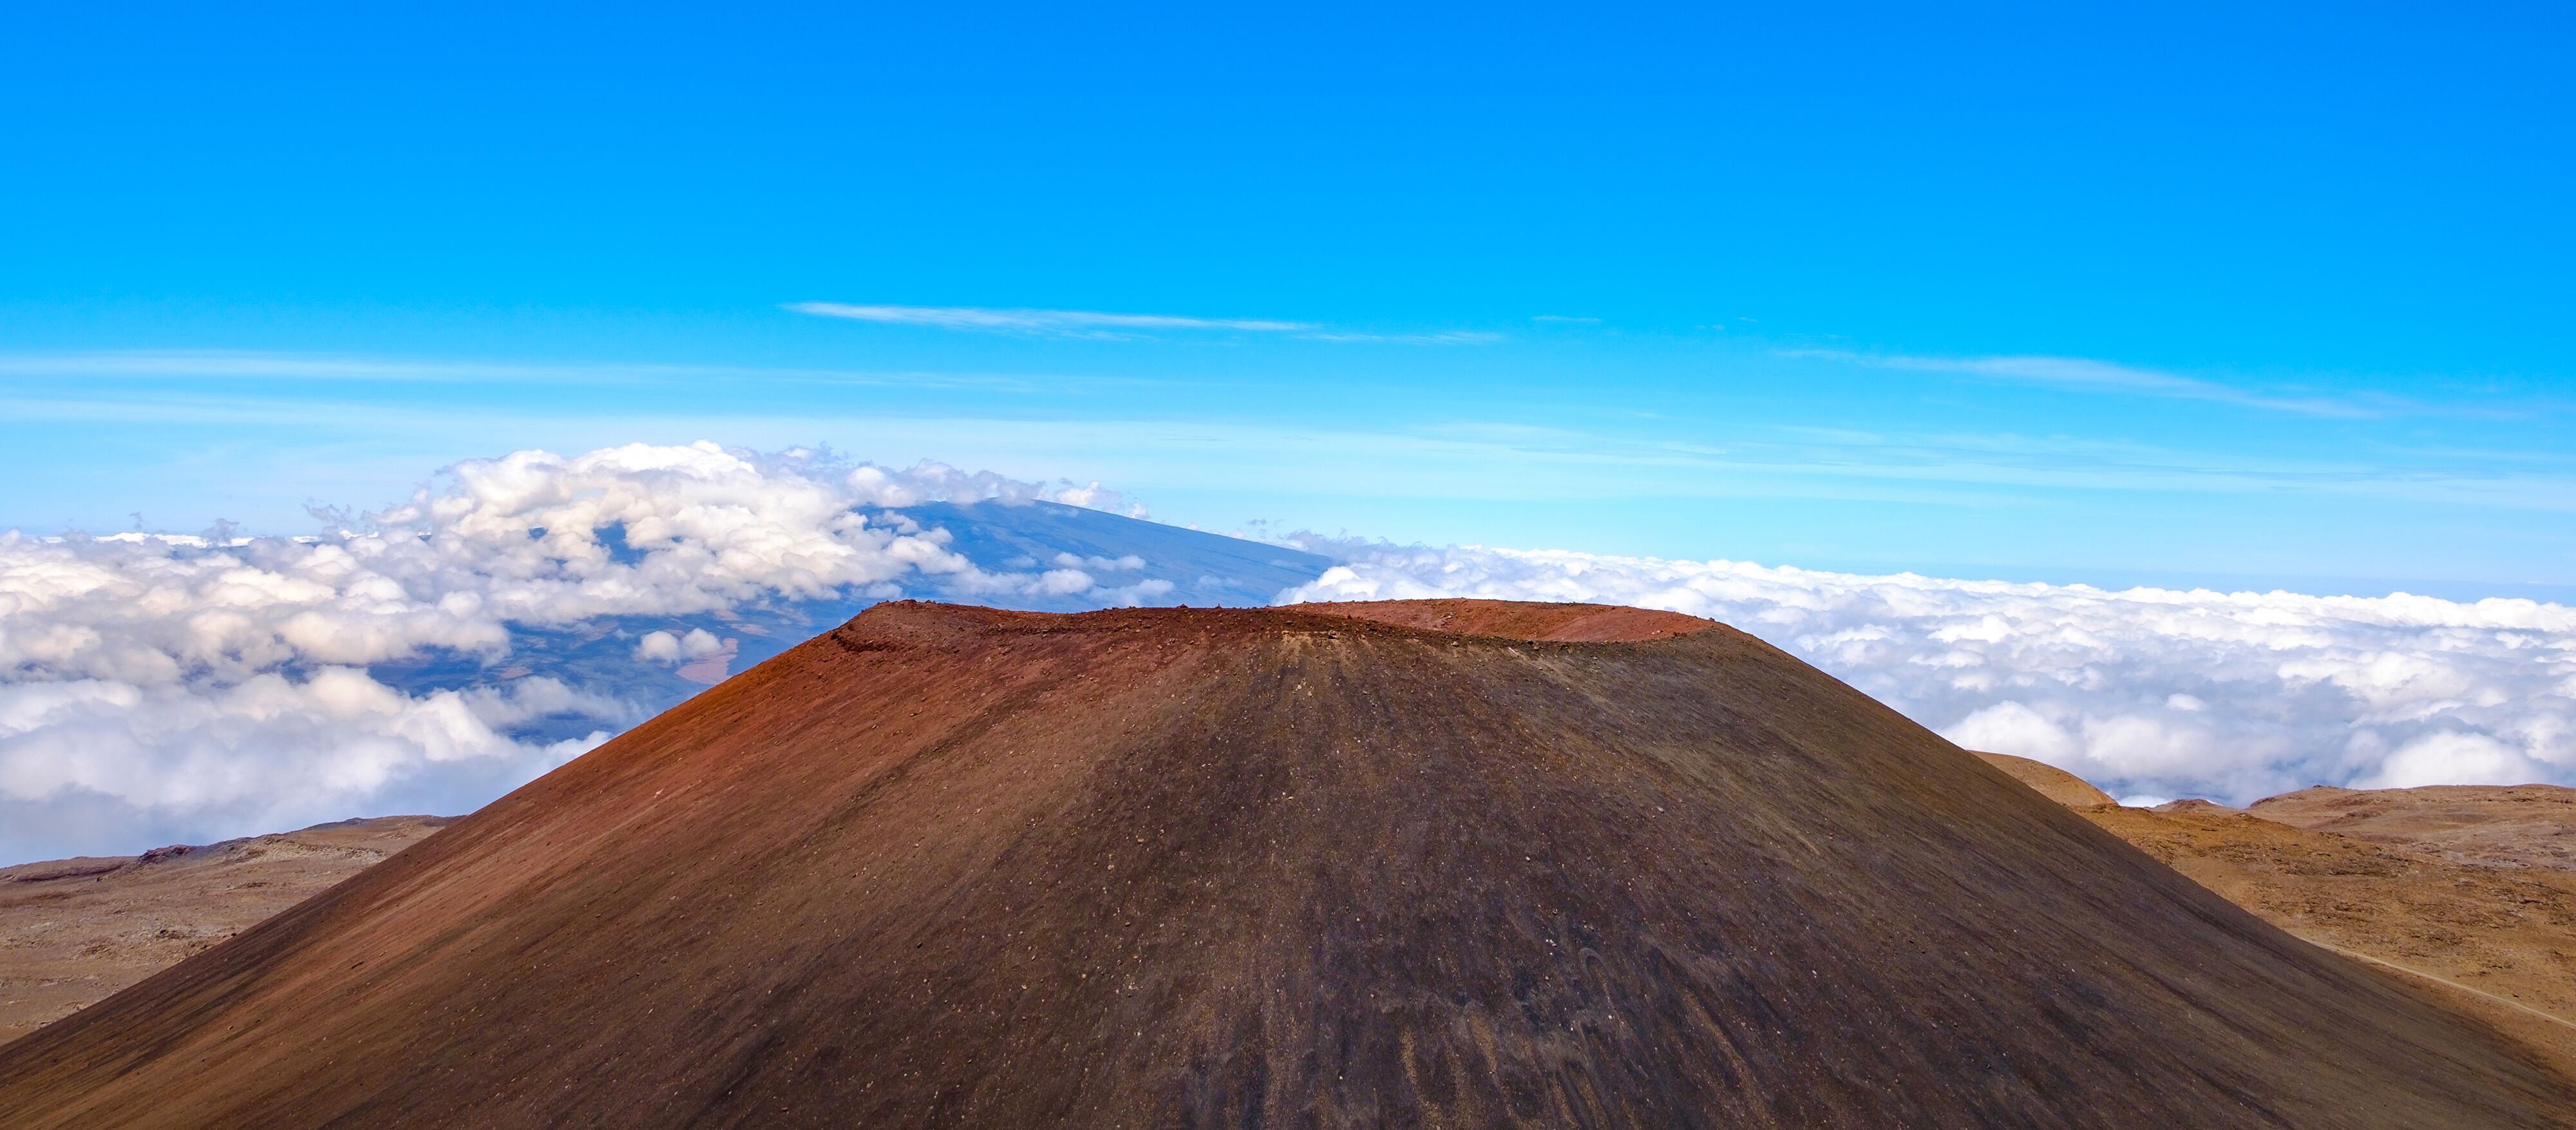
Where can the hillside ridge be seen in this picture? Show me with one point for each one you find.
(952, 866)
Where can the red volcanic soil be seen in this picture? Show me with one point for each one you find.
(951, 866)
(1569, 623)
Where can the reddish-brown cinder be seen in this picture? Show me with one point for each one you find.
(1409, 864)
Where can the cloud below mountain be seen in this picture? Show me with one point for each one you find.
(222, 685)
(519, 610)
(2229, 695)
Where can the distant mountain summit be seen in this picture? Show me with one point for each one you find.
(1102, 560)
(1178, 565)
(1421, 863)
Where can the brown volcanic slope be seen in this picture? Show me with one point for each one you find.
(2052, 782)
(2499, 941)
(74, 930)
(953, 866)
(2466, 888)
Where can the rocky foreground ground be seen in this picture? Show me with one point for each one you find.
(73, 931)
(1419, 863)
(2469, 891)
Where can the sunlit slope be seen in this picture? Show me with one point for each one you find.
(956, 866)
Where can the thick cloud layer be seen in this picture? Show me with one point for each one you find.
(434, 654)
(211, 687)
(2147, 692)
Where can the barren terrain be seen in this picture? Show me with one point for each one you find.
(2468, 888)
(2515, 826)
(957, 866)
(73, 931)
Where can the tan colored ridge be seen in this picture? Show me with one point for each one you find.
(2462, 888)
(73, 931)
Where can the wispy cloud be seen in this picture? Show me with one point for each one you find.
(2083, 373)
(252, 364)
(1100, 326)
(1064, 323)
(1457, 459)
(1567, 318)
(1454, 337)
(217, 365)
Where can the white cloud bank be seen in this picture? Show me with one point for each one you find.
(2148, 691)
(216, 688)
(532, 538)
(159, 689)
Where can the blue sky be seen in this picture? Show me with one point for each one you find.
(2168, 294)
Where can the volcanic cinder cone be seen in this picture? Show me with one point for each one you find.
(1435, 864)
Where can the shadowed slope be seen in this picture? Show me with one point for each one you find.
(2049, 781)
(952, 866)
